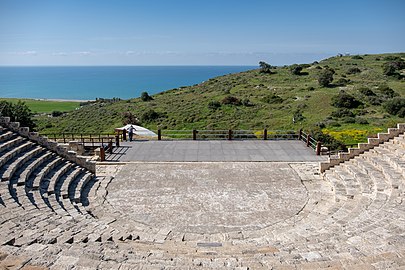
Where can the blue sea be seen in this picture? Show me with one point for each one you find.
(89, 83)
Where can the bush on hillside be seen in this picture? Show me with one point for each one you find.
(366, 91)
(272, 99)
(18, 112)
(387, 92)
(325, 77)
(145, 96)
(345, 100)
(56, 113)
(358, 57)
(326, 139)
(151, 115)
(265, 68)
(343, 112)
(396, 106)
(213, 105)
(129, 118)
(231, 100)
(296, 69)
(342, 82)
(353, 70)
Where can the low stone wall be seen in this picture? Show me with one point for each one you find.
(51, 145)
(363, 147)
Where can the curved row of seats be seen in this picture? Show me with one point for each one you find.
(41, 195)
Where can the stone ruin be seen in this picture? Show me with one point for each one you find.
(60, 210)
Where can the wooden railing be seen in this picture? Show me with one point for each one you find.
(226, 134)
(88, 139)
(103, 139)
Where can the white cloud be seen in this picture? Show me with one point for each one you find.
(59, 54)
(83, 53)
(33, 53)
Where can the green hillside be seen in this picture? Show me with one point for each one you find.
(257, 100)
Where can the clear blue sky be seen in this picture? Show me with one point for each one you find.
(188, 32)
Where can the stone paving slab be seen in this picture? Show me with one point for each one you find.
(194, 151)
(206, 197)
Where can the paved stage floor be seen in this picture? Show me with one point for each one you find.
(237, 150)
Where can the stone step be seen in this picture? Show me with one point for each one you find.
(24, 175)
(43, 172)
(11, 143)
(6, 135)
(77, 172)
(58, 176)
(80, 185)
(20, 161)
(14, 152)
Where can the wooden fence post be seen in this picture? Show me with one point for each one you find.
(318, 148)
(300, 134)
(194, 134)
(265, 134)
(159, 134)
(230, 134)
(102, 154)
(117, 140)
(308, 138)
(110, 147)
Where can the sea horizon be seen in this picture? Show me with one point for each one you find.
(83, 83)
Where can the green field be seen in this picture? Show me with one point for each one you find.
(262, 100)
(46, 106)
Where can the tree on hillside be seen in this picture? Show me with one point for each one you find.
(18, 112)
(345, 100)
(296, 69)
(265, 68)
(129, 118)
(325, 77)
(145, 96)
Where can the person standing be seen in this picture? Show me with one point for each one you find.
(131, 132)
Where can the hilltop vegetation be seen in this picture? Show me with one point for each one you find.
(348, 97)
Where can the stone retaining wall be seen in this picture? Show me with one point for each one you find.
(51, 145)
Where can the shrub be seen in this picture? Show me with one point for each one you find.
(373, 100)
(150, 115)
(145, 96)
(231, 100)
(342, 113)
(56, 113)
(353, 70)
(213, 105)
(18, 112)
(387, 92)
(395, 106)
(246, 102)
(265, 68)
(296, 69)
(366, 91)
(342, 82)
(297, 117)
(361, 121)
(129, 118)
(344, 100)
(349, 120)
(326, 139)
(325, 77)
(272, 99)
(357, 57)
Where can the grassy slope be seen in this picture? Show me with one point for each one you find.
(187, 107)
(46, 106)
